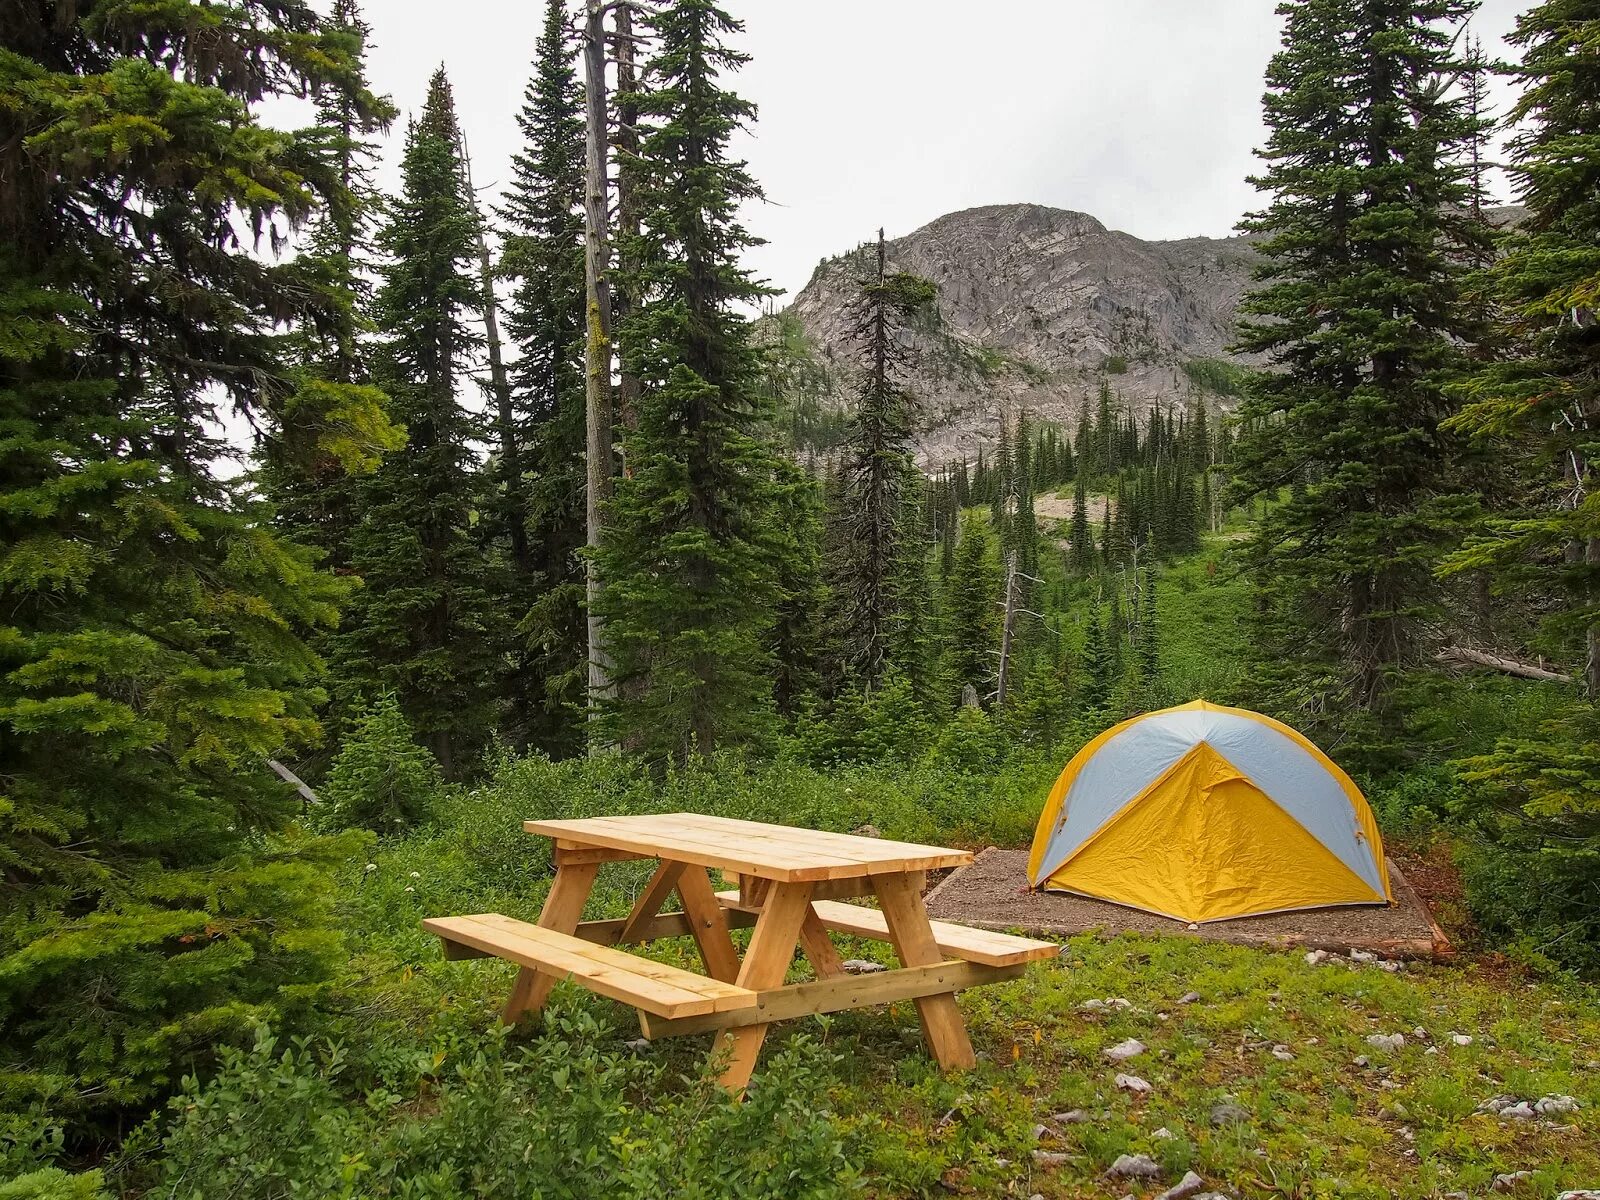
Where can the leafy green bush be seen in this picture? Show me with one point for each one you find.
(473, 1115)
(54, 1184)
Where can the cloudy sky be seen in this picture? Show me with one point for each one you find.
(1143, 113)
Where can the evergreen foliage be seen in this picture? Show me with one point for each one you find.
(152, 651)
(1365, 243)
(381, 780)
(542, 225)
(972, 620)
(691, 547)
(420, 626)
(871, 544)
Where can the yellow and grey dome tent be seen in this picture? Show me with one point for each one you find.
(1202, 813)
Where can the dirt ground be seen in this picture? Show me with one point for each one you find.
(992, 893)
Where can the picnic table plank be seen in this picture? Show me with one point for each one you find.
(781, 853)
(655, 987)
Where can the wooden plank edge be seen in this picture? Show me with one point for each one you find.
(836, 995)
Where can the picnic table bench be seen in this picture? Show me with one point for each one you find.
(792, 884)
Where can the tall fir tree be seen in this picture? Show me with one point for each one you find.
(420, 625)
(690, 551)
(1080, 548)
(1365, 243)
(152, 652)
(541, 222)
(867, 577)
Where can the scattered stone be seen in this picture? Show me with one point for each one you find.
(1189, 998)
(1495, 1103)
(1110, 1004)
(1191, 927)
(1050, 1158)
(1132, 1083)
(1186, 1188)
(1163, 1134)
(1002, 1163)
(637, 1045)
(1580, 1194)
(1073, 1116)
(1421, 1034)
(1388, 1042)
(1363, 956)
(1134, 1166)
(1123, 1051)
(1040, 1132)
(1461, 1039)
(1521, 1111)
(1361, 1060)
(1391, 965)
(1228, 1113)
(1551, 1106)
(1316, 957)
(1509, 1181)
(862, 966)
(867, 831)
(1431, 1050)
(1283, 1054)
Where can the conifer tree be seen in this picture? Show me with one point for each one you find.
(1097, 667)
(542, 222)
(972, 622)
(334, 423)
(420, 626)
(1080, 551)
(1365, 243)
(1542, 402)
(876, 470)
(152, 625)
(689, 555)
(1149, 647)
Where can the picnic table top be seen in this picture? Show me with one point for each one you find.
(782, 853)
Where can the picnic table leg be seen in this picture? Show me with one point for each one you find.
(562, 909)
(708, 924)
(819, 947)
(914, 944)
(765, 963)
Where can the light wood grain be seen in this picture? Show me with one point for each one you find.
(563, 909)
(776, 852)
(766, 961)
(708, 924)
(654, 987)
(914, 943)
(958, 941)
(836, 995)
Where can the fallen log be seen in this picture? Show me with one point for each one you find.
(1462, 656)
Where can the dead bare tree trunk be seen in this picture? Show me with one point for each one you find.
(1008, 631)
(1591, 666)
(499, 384)
(597, 342)
(629, 386)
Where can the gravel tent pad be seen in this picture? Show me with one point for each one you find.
(993, 893)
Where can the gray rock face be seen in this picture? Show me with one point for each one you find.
(1035, 304)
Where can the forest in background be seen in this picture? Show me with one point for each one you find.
(508, 513)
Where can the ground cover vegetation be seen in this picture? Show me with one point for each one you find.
(1389, 537)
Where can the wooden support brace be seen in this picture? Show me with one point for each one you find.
(836, 995)
(913, 940)
(562, 908)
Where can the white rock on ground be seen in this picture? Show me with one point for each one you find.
(1461, 1039)
(1228, 1113)
(862, 966)
(1132, 1083)
(1283, 1054)
(1363, 956)
(1386, 1041)
(1521, 1111)
(1314, 957)
(1189, 998)
(1551, 1106)
(1163, 1134)
(1508, 1182)
(1073, 1116)
(1134, 1166)
(1186, 1188)
(1050, 1158)
(1580, 1194)
(1123, 1051)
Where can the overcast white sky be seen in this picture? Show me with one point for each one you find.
(1142, 113)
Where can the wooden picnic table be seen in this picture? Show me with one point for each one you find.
(791, 884)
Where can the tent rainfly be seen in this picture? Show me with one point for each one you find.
(1202, 813)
